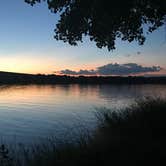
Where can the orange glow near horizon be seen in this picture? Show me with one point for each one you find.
(26, 65)
(34, 65)
(44, 65)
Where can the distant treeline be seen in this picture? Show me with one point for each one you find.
(17, 78)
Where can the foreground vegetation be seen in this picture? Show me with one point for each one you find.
(135, 136)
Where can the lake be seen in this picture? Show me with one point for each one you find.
(30, 113)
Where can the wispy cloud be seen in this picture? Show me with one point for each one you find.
(115, 69)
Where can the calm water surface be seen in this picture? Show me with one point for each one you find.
(31, 113)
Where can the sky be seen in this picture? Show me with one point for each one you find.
(27, 46)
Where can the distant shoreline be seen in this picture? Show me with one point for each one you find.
(9, 78)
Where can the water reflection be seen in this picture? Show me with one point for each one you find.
(32, 112)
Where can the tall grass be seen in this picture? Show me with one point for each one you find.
(134, 136)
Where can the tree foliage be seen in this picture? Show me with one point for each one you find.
(106, 20)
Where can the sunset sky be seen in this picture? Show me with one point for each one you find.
(27, 45)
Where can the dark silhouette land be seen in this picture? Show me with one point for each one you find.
(18, 78)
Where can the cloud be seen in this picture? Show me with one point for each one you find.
(125, 69)
(80, 72)
(138, 53)
(114, 69)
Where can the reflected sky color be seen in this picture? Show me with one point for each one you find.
(27, 44)
(33, 113)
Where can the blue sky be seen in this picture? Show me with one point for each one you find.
(27, 44)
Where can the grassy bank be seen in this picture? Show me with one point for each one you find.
(135, 136)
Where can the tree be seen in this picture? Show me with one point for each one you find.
(106, 20)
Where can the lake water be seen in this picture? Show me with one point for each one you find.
(31, 113)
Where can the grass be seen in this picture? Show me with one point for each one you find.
(134, 136)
